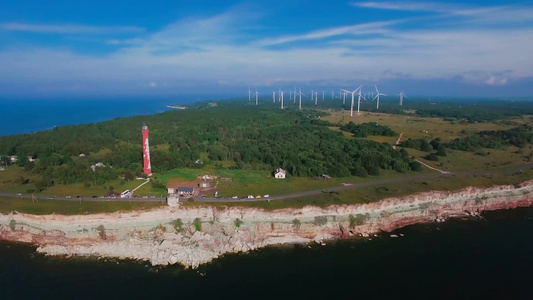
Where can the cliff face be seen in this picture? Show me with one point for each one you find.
(157, 237)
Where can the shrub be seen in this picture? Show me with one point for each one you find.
(197, 224)
(238, 222)
(178, 225)
(432, 157)
(101, 232)
(161, 228)
(296, 224)
(320, 220)
(12, 224)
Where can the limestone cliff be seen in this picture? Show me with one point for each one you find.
(158, 237)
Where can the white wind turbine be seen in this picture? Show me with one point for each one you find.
(256, 96)
(249, 95)
(316, 98)
(300, 104)
(402, 95)
(377, 96)
(294, 93)
(322, 95)
(353, 97)
(359, 102)
(273, 96)
(281, 98)
(343, 96)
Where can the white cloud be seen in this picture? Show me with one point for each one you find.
(69, 28)
(210, 51)
(405, 6)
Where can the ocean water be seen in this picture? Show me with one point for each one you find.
(489, 258)
(25, 115)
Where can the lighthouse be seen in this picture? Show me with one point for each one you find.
(147, 167)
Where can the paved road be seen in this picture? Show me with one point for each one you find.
(295, 195)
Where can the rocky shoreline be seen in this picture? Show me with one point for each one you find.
(194, 236)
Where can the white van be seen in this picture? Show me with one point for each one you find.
(125, 194)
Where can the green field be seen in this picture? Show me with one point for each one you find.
(382, 191)
(45, 206)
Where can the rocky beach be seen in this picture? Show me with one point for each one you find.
(192, 236)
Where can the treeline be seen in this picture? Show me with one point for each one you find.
(518, 136)
(249, 136)
(423, 145)
(366, 129)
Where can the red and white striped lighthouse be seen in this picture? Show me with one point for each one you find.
(147, 169)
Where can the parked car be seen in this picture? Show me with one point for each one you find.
(258, 196)
(266, 196)
(234, 197)
(250, 196)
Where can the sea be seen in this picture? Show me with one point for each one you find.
(30, 115)
(482, 258)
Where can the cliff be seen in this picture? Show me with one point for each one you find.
(169, 235)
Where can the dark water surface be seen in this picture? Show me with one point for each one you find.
(472, 259)
(25, 116)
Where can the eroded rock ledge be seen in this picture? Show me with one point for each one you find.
(156, 235)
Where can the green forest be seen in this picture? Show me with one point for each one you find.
(229, 134)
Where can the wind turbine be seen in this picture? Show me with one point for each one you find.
(256, 96)
(322, 95)
(353, 98)
(377, 96)
(281, 98)
(300, 104)
(290, 95)
(359, 102)
(273, 96)
(316, 98)
(402, 95)
(343, 97)
(332, 95)
(249, 95)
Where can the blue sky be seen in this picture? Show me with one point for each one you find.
(220, 48)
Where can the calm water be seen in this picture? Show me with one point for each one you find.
(475, 259)
(24, 116)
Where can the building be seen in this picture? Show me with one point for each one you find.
(280, 173)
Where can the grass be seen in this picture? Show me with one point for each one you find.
(379, 192)
(10, 180)
(457, 160)
(93, 190)
(256, 183)
(44, 206)
(414, 127)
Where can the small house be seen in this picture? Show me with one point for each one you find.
(280, 173)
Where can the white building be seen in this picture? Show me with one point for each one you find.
(280, 173)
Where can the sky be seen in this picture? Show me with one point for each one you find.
(217, 49)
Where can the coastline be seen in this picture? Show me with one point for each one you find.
(152, 235)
